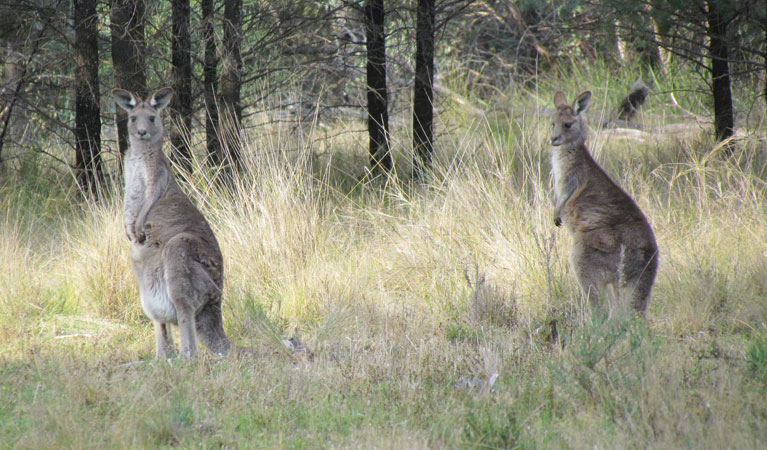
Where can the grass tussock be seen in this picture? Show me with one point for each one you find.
(401, 290)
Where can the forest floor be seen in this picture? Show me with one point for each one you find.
(441, 315)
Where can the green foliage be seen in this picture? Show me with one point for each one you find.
(457, 332)
(756, 357)
(491, 429)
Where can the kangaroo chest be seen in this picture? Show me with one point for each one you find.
(135, 174)
(562, 165)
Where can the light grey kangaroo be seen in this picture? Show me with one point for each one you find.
(613, 247)
(176, 258)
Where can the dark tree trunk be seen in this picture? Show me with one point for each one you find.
(423, 95)
(87, 111)
(128, 56)
(210, 61)
(181, 108)
(231, 82)
(724, 122)
(378, 102)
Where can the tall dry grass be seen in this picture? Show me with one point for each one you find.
(400, 289)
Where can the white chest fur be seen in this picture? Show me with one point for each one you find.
(559, 167)
(135, 186)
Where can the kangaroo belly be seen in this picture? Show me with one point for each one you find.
(153, 290)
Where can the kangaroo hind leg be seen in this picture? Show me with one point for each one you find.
(185, 289)
(164, 340)
(193, 274)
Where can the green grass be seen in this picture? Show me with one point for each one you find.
(401, 289)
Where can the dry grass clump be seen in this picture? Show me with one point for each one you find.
(96, 263)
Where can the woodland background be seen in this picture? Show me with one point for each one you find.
(234, 64)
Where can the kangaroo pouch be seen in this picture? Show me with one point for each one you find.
(152, 287)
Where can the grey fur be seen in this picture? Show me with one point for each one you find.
(176, 258)
(614, 249)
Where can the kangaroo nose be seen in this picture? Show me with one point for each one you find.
(142, 133)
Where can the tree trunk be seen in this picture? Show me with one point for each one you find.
(210, 61)
(181, 108)
(623, 48)
(128, 56)
(423, 95)
(14, 70)
(378, 102)
(231, 82)
(87, 111)
(724, 125)
(664, 56)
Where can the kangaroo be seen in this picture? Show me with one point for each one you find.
(613, 247)
(634, 100)
(176, 258)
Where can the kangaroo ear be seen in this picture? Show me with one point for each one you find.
(125, 99)
(161, 98)
(560, 99)
(582, 102)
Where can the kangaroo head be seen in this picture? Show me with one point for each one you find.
(568, 126)
(144, 121)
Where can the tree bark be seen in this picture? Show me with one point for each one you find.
(210, 62)
(87, 110)
(128, 56)
(377, 96)
(231, 83)
(724, 121)
(15, 69)
(181, 60)
(423, 95)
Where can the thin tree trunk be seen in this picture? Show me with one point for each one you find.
(17, 71)
(87, 110)
(423, 95)
(664, 56)
(181, 60)
(231, 82)
(210, 61)
(724, 122)
(128, 56)
(623, 47)
(378, 102)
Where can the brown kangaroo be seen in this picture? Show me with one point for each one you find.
(176, 258)
(613, 248)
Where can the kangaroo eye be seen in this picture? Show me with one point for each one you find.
(568, 125)
(151, 119)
